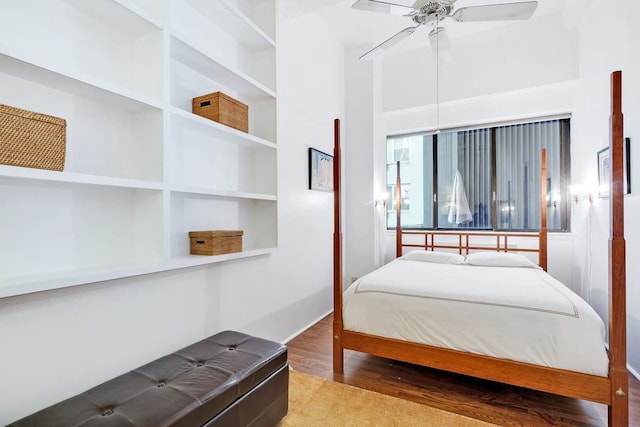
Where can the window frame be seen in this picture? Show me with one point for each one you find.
(565, 177)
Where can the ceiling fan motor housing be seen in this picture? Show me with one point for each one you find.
(432, 12)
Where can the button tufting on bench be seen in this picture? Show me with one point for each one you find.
(245, 387)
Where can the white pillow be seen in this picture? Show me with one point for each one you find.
(431, 256)
(499, 259)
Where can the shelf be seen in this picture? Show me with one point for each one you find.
(223, 193)
(59, 235)
(257, 217)
(130, 18)
(68, 278)
(231, 20)
(134, 8)
(153, 11)
(185, 52)
(140, 170)
(220, 131)
(106, 43)
(76, 178)
(195, 260)
(13, 286)
(75, 83)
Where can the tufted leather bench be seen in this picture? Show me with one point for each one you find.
(228, 379)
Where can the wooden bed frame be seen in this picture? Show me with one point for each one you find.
(464, 238)
(611, 390)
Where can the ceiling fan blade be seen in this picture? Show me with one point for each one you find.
(389, 42)
(496, 12)
(440, 46)
(382, 7)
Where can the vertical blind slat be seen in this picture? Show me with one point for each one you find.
(518, 149)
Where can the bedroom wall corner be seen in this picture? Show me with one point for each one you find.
(275, 297)
(358, 149)
(606, 41)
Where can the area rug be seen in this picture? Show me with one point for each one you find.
(315, 401)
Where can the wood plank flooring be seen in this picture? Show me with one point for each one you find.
(497, 403)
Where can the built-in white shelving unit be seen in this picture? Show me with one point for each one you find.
(141, 170)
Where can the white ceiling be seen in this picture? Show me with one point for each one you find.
(356, 28)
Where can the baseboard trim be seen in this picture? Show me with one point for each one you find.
(307, 326)
(633, 372)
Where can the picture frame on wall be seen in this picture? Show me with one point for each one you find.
(604, 169)
(604, 172)
(320, 170)
(627, 165)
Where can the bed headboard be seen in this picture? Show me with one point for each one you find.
(465, 241)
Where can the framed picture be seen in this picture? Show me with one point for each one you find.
(604, 172)
(604, 169)
(320, 170)
(627, 165)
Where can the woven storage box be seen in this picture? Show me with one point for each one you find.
(31, 140)
(215, 242)
(223, 109)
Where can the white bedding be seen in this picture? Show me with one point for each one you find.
(520, 314)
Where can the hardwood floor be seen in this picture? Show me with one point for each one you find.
(311, 353)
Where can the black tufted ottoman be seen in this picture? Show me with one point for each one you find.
(229, 379)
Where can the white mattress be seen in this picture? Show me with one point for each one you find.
(521, 314)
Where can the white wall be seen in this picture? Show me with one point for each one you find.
(286, 293)
(58, 343)
(520, 55)
(359, 244)
(608, 33)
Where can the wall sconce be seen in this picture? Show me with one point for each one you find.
(381, 199)
(578, 193)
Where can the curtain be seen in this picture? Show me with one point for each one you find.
(468, 152)
(518, 164)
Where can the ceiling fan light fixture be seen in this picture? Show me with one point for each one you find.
(440, 45)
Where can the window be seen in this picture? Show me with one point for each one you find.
(405, 197)
(464, 179)
(401, 150)
(416, 181)
(485, 179)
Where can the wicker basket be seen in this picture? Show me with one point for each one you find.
(223, 109)
(215, 242)
(31, 140)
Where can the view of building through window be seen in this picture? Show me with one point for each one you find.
(486, 178)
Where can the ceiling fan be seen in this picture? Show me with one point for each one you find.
(431, 12)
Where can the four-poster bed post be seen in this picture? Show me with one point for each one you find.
(611, 390)
(398, 210)
(619, 408)
(542, 241)
(338, 351)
